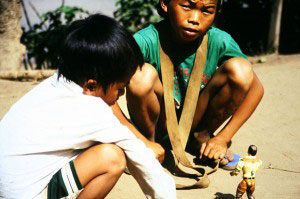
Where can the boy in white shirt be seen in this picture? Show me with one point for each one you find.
(62, 139)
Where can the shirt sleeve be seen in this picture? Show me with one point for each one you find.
(230, 49)
(143, 46)
(226, 46)
(240, 165)
(142, 164)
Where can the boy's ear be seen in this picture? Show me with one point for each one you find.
(89, 87)
(164, 5)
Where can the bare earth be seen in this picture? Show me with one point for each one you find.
(274, 128)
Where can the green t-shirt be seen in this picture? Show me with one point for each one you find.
(221, 47)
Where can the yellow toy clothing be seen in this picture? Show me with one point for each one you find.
(249, 165)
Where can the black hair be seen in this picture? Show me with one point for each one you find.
(252, 150)
(98, 48)
(159, 9)
(164, 15)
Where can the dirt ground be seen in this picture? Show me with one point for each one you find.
(273, 128)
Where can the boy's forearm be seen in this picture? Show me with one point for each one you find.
(245, 110)
(157, 148)
(147, 171)
(150, 175)
(141, 162)
(122, 118)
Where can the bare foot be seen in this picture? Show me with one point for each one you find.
(229, 158)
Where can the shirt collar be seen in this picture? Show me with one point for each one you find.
(250, 157)
(68, 84)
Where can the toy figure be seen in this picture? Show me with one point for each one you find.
(249, 165)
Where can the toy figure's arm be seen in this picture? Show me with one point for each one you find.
(235, 172)
(260, 163)
(238, 168)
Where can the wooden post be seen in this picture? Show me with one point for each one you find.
(274, 30)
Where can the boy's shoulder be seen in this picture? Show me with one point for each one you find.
(149, 29)
(218, 35)
(148, 34)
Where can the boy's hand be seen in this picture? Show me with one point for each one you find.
(215, 148)
(158, 150)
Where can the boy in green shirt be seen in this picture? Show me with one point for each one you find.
(229, 86)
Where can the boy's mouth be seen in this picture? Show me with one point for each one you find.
(190, 32)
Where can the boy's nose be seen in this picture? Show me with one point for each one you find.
(194, 18)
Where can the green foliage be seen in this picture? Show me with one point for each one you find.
(43, 40)
(136, 14)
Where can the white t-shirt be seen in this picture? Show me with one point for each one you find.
(46, 128)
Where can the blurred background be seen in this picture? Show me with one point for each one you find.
(106, 7)
(260, 27)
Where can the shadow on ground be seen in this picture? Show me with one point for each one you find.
(224, 196)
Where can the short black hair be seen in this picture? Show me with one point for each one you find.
(252, 150)
(98, 48)
(159, 9)
(164, 15)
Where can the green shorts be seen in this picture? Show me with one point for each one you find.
(64, 183)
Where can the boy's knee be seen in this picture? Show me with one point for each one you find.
(143, 81)
(114, 157)
(239, 72)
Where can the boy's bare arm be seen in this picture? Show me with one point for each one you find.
(245, 110)
(157, 148)
(218, 144)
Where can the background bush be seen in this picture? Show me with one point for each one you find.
(136, 14)
(44, 39)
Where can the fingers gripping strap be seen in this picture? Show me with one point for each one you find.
(179, 133)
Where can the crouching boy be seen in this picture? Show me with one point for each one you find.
(62, 138)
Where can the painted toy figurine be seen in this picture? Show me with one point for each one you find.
(249, 165)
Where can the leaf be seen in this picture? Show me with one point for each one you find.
(135, 14)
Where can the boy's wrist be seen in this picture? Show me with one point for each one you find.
(224, 136)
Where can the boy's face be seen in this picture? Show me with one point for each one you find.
(190, 19)
(112, 94)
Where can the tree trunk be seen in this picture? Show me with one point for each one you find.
(11, 50)
(274, 31)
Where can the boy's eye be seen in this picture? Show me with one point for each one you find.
(208, 10)
(186, 7)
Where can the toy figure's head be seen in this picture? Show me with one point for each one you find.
(252, 150)
(189, 19)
